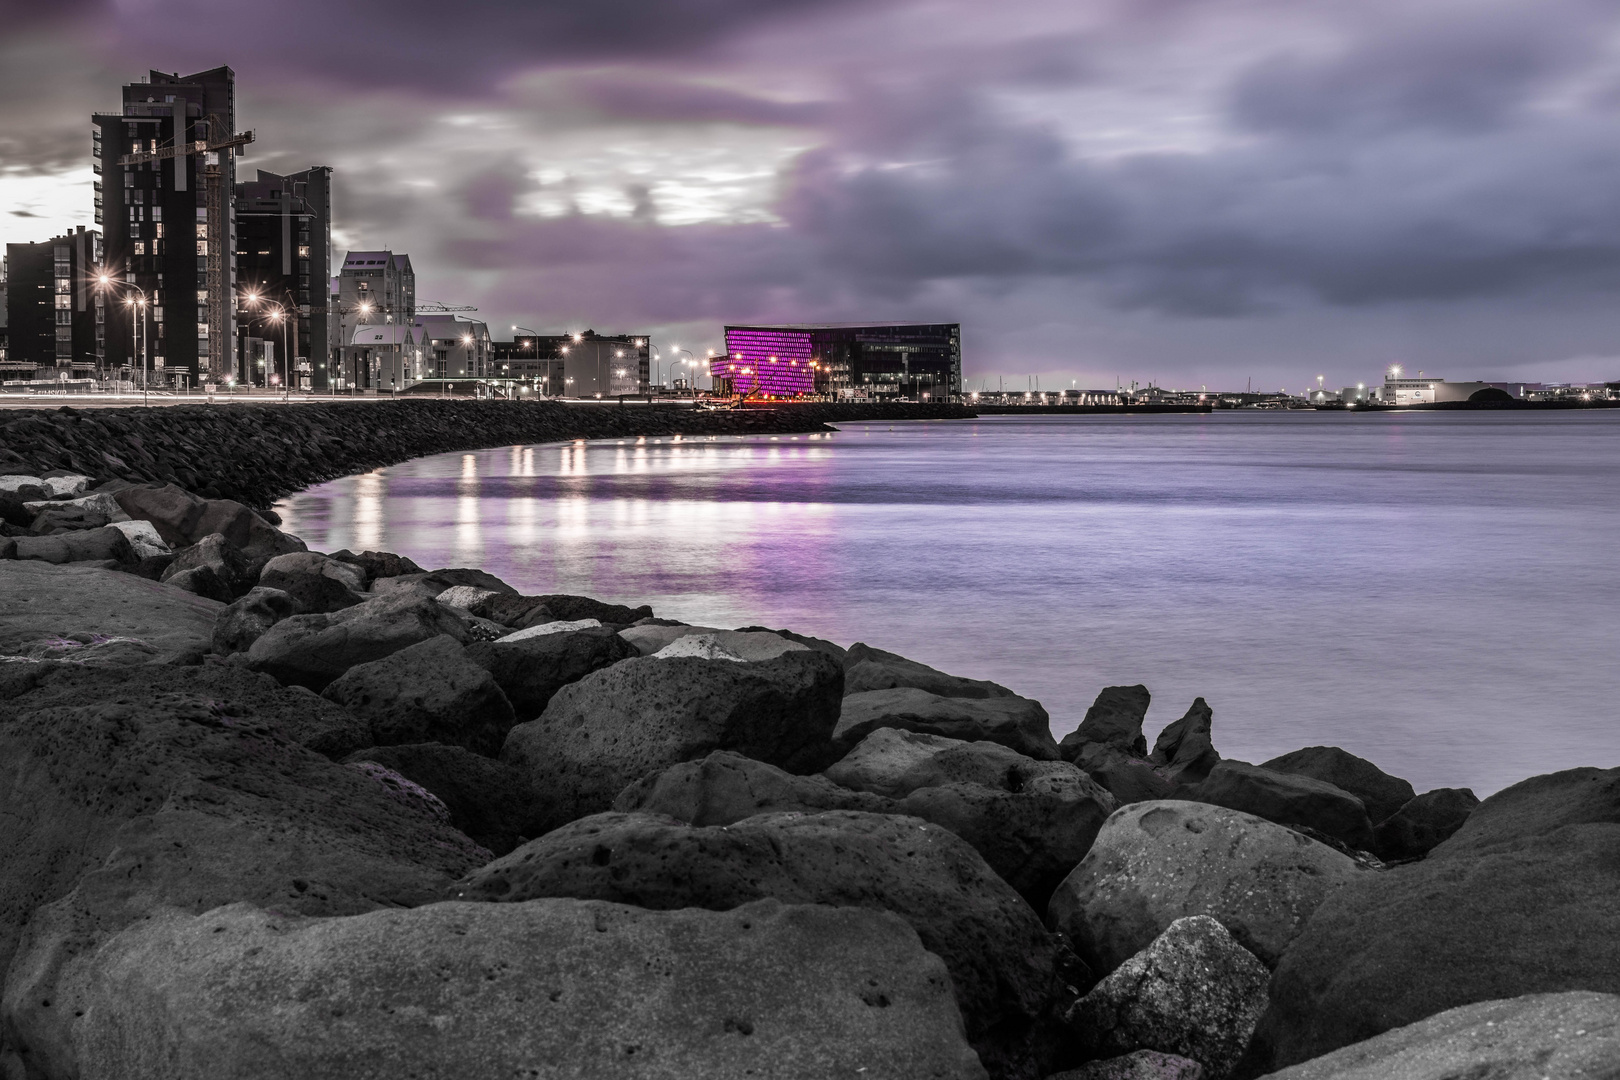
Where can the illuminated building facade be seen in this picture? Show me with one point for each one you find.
(914, 361)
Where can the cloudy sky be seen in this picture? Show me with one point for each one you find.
(1193, 192)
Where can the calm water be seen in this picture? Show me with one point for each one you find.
(1435, 592)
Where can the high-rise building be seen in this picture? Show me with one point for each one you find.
(167, 224)
(373, 287)
(55, 316)
(916, 361)
(283, 263)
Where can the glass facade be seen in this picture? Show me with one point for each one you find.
(913, 361)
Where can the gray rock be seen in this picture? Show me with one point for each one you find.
(1017, 723)
(317, 583)
(1195, 993)
(1114, 719)
(1156, 862)
(98, 616)
(1137, 1065)
(597, 991)
(217, 554)
(182, 519)
(725, 787)
(313, 650)
(427, 692)
(377, 564)
(520, 612)
(833, 650)
(650, 638)
(104, 545)
(143, 539)
(731, 645)
(248, 617)
(1573, 1034)
(157, 798)
(1287, 800)
(1381, 793)
(1127, 777)
(202, 580)
(1425, 821)
(1520, 900)
(1185, 750)
(488, 800)
(616, 725)
(894, 762)
(85, 512)
(531, 670)
(1000, 959)
(432, 583)
(866, 668)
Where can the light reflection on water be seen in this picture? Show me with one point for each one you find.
(1433, 591)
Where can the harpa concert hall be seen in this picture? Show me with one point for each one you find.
(917, 361)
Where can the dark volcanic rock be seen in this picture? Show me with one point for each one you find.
(1137, 1065)
(895, 762)
(1127, 777)
(725, 787)
(1194, 993)
(866, 668)
(1413, 830)
(93, 615)
(160, 797)
(486, 799)
(522, 612)
(1001, 960)
(1575, 1034)
(1521, 900)
(377, 564)
(313, 650)
(1154, 863)
(317, 583)
(595, 992)
(627, 721)
(204, 581)
(1017, 723)
(217, 555)
(1114, 719)
(427, 692)
(532, 670)
(1381, 793)
(833, 650)
(248, 617)
(1185, 750)
(106, 545)
(182, 519)
(435, 582)
(1288, 800)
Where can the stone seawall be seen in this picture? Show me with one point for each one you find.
(256, 454)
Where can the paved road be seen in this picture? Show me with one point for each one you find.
(125, 401)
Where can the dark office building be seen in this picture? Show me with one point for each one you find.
(54, 314)
(577, 365)
(167, 224)
(534, 361)
(284, 258)
(864, 360)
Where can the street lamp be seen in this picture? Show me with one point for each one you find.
(137, 313)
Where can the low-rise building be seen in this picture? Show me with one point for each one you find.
(55, 314)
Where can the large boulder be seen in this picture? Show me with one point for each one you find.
(1114, 719)
(247, 617)
(1017, 723)
(154, 797)
(1129, 777)
(488, 800)
(1185, 749)
(427, 692)
(377, 564)
(1574, 1034)
(530, 670)
(1521, 900)
(317, 583)
(725, 787)
(895, 762)
(1137, 1065)
(1156, 862)
(650, 638)
(1381, 793)
(94, 615)
(218, 560)
(106, 546)
(866, 668)
(182, 519)
(85, 512)
(520, 612)
(1287, 799)
(430, 584)
(731, 645)
(1428, 819)
(596, 991)
(1000, 958)
(313, 650)
(1194, 992)
(616, 725)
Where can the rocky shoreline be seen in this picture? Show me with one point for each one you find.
(267, 812)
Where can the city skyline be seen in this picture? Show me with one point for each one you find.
(1173, 192)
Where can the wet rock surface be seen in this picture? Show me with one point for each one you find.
(1194, 992)
(1156, 862)
(1000, 958)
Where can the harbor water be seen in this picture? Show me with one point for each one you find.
(1434, 591)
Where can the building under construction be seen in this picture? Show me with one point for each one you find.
(165, 174)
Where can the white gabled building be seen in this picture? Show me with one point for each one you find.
(454, 347)
(385, 357)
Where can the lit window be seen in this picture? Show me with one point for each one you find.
(140, 247)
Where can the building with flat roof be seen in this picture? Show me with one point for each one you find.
(372, 287)
(283, 260)
(587, 364)
(55, 316)
(915, 361)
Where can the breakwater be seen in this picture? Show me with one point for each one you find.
(258, 453)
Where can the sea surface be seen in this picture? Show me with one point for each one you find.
(1438, 592)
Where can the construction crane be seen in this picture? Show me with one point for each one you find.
(213, 180)
(434, 305)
